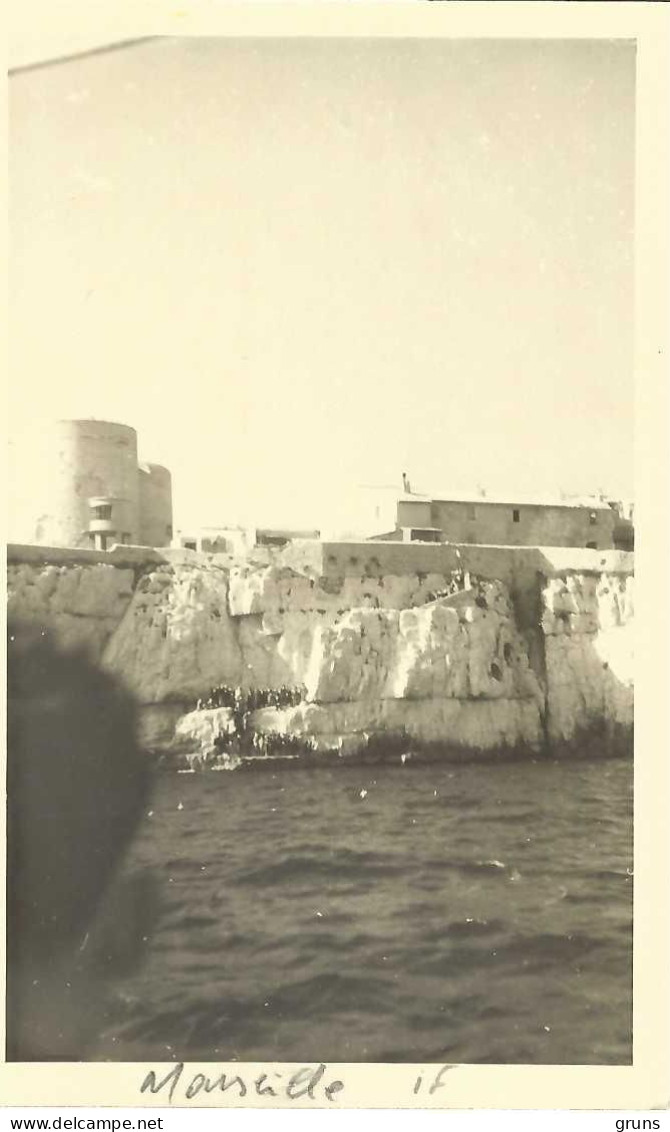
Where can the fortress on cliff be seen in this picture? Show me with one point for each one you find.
(432, 639)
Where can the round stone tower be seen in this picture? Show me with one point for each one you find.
(155, 499)
(83, 488)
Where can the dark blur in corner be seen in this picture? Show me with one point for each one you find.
(76, 784)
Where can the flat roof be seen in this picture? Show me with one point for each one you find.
(592, 504)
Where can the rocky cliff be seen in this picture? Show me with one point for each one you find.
(472, 649)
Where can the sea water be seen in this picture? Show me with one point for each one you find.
(422, 913)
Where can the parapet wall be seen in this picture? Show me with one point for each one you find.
(476, 647)
(503, 563)
(119, 556)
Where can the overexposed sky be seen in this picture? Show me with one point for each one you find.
(295, 266)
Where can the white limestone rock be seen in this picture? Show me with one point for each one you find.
(430, 656)
(278, 590)
(351, 657)
(80, 605)
(477, 725)
(178, 642)
(201, 732)
(588, 654)
(456, 647)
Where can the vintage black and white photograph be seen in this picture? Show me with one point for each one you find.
(321, 552)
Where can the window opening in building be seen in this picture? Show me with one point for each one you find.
(471, 513)
(516, 515)
(189, 545)
(417, 535)
(271, 540)
(101, 511)
(593, 518)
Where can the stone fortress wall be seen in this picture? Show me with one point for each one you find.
(476, 648)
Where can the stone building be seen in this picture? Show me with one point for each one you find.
(495, 522)
(79, 484)
(238, 540)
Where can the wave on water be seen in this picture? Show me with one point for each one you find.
(448, 914)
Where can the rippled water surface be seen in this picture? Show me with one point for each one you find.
(473, 913)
